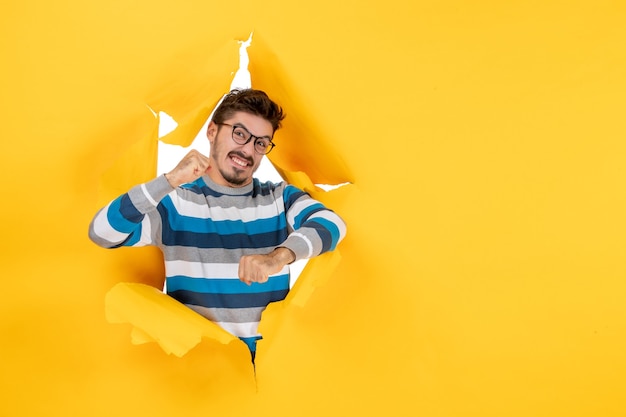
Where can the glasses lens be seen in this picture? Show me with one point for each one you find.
(262, 146)
(240, 135)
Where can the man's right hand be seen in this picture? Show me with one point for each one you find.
(189, 169)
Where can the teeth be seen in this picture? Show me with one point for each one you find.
(240, 162)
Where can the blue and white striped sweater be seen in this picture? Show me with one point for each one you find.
(203, 230)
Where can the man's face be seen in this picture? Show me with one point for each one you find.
(231, 164)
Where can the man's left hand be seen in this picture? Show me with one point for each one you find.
(258, 268)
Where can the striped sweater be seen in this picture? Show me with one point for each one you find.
(203, 229)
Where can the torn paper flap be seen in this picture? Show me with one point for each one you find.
(157, 317)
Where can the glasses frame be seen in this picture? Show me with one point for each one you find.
(232, 135)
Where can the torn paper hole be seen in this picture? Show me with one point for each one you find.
(129, 303)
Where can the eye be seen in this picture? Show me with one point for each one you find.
(262, 143)
(240, 133)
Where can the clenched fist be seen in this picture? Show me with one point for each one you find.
(258, 268)
(189, 169)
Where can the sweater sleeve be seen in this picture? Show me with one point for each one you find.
(315, 228)
(124, 221)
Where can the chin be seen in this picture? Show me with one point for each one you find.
(237, 181)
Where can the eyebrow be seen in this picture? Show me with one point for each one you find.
(247, 130)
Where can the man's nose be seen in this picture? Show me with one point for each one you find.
(249, 146)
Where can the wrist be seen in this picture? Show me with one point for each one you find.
(171, 180)
(284, 255)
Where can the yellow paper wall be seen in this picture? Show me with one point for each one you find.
(483, 273)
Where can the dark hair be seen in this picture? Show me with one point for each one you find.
(250, 101)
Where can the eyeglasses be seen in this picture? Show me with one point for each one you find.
(241, 136)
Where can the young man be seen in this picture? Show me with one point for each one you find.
(227, 238)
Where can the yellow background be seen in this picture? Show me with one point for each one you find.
(483, 273)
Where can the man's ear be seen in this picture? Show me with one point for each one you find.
(211, 131)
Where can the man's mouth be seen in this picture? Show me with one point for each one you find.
(238, 160)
